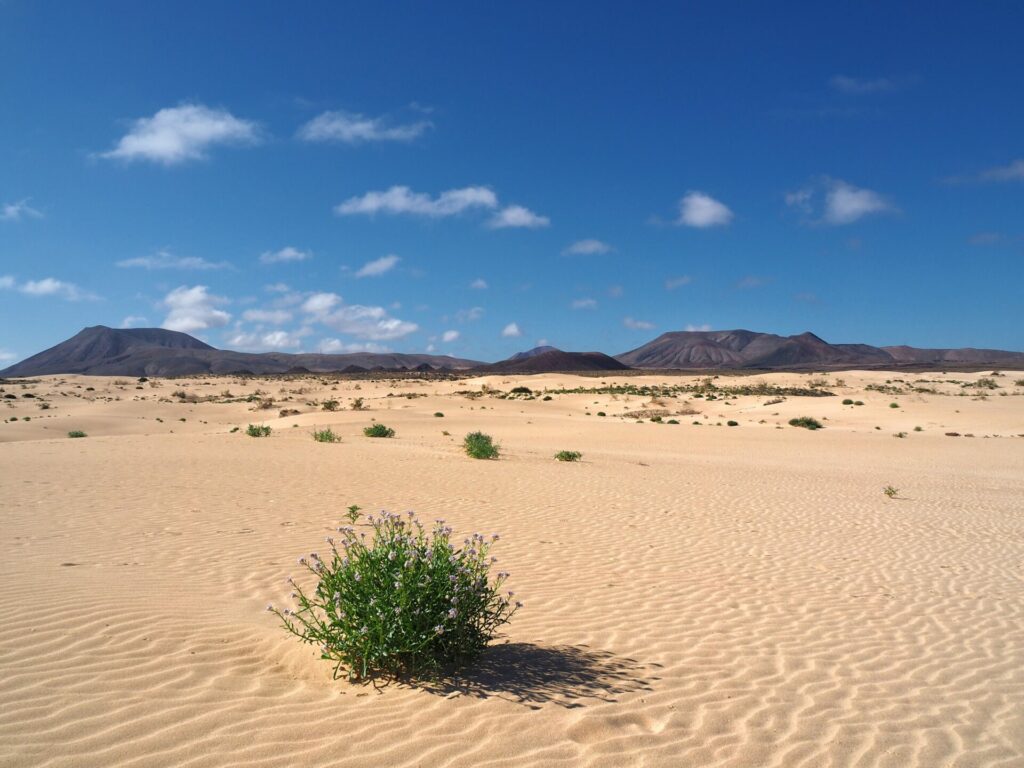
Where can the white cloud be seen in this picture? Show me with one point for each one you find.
(6, 281)
(164, 259)
(378, 267)
(700, 210)
(519, 217)
(50, 286)
(365, 322)
(479, 284)
(587, 248)
(353, 128)
(845, 203)
(677, 282)
(431, 348)
(511, 331)
(177, 134)
(704, 327)
(277, 288)
(264, 342)
(6, 356)
(18, 211)
(584, 304)
(134, 321)
(1012, 172)
(337, 347)
(194, 309)
(637, 325)
(285, 254)
(860, 85)
(449, 336)
(269, 316)
(402, 200)
(469, 315)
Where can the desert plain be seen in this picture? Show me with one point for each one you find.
(695, 593)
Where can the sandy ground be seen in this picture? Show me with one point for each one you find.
(694, 594)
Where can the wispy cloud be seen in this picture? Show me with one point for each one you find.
(6, 356)
(841, 202)
(677, 282)
(378, 267)
(865, 85)
(402, 200)
(48, 286)
(469, 315)
(700, 210)
(354, 128)
(286, 254)
(268, 316)
(194, 308)
(264, 342)
(479, 284)
(751, 281)
(450, 336)
(1013, 171)
(703, 327)
(587, 247)
(338, 347)
(364, 322)
(511, 331)
(637, 325)
(18, 211)
(178, 134)
(586, 303)
(164, 259)
(134, 321)
(516, 216)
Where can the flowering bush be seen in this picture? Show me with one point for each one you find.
(403, 603)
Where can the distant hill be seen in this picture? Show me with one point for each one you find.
(554, 361)
(749, 349)
(104, 351)
(534, 352)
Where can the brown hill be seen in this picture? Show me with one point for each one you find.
(555, 361)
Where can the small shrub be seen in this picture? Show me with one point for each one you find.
(1019, 383)
(601, 413)
(894, 405)
(77, 433)
(329, 405)
(858, 402)
(258, 430)
(672, 421)
(326, 436)
(548, 397)
(900, 435)
(806, 422)
(438, 415)
(406, 603)
(357, 404)
(732, 423)
(378, 430)
(233, 429)
(480, 446)
(918, 429)
(891, 492)
(520, 391)
(847, 401)
(568, 456)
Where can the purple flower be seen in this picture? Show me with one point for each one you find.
(451, 613)
(438, 630)
(270, 607)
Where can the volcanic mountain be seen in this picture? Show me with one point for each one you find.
(104, 351)
(554, 361)
(749, 349)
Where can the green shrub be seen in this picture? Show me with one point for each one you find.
(568, 456)
(258, 430)
(891, 492)
(732, 423)
(480, 446)
(546, 397)
(601, 413)
(357, 404)
(77, 433)
(672, 421)
(847, 401)
(806, 422)
(894, 405)
(403, 604)
(378, 430)
(520, 391)
(438, 415)
(858, 402)
(330, 405)
(326, 436)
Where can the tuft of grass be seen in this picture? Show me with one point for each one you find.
(918, 429)
(258, 430)
(806, 422)
(233, 429)
(568, 456)
(900, 435)
(438, 415)
(357, 404)
(891, 492)
(480, 446)
(378, 430)
(402, 603)
(77, 433)
(894, 405)
(326, 436)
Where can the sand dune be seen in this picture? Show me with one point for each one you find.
(695, 595)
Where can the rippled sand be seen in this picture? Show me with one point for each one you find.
(695, 595)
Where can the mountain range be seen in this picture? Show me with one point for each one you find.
(100, 350)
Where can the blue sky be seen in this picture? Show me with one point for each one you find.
(475, 178)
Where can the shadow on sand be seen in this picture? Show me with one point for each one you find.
(534, 675)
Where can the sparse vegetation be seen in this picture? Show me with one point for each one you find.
(894, 405)
(847, 401)
(258, 430)
(329, 405)
(568, 456)
(806, 422)
(480, 446)
(77, 433)
(406, 603)
(326, 436)
(378, 430)
(438, 415)
(891, 492)
(732, 423)
(358, 404)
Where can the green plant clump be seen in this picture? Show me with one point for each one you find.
(438, 415)
(480, 446)
(847, 401)
(258, 430)
(568, 456)
(732, 423)
(77, 433)
(326, 436)
(405, 603)
(806, 422)
(378, 430)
